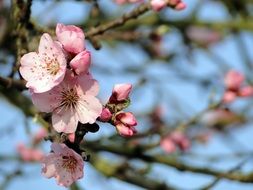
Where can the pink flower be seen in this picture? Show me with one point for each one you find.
(72, 101)
(120, 92)
(246, 91)
(81, 62)
(64, 164)
(158, 5)
(173, 140)
(106, 115)
(45, 69)
(125, 122)
(29, 154)
(233, 80)
(71, 37)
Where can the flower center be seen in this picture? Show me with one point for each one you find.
(69, 163)
(69, 98)
(52, 66)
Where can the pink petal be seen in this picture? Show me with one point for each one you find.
(246, 91)
(64, 121)
(157, 5)
(229, 96)
(71, 37)
(168, 145)
(233, 80)
(127, 118)
(47, 101)
(81, 62)
(49, 169)
(125, 130)
(121, 91)
(88, 85)
(106, 115)
(88, 109)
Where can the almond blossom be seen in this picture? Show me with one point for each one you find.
(45, 69)
(64, 164)
(71, 101)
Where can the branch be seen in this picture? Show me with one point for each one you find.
(172, 162)
(126, 174)
(7, 82)
(118, 22)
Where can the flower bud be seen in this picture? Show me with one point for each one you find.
(71, 37)
(233, 80)
(246, 91)
(229, 96)
(120, 92)
(106, 115)
(125, 130)
(125, 123)
(126, 118)
(81, 62)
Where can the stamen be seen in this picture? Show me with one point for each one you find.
(69, 163)
(69, 98)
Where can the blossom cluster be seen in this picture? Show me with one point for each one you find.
(234, 87)
(124, 122)
(158, 5)
(60, 83)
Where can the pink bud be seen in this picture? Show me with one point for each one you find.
(106, 115)
(229, 96)
(71, 37)
(126, 118)
(125, 130)
(125, 123)
(81, 62)
(233, 80)
(168, 145)
(121, 92)
(246, 91)
(179, 139)
(157, 5)
(71, 137)
(180, 6)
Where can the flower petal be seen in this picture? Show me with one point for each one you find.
(88, 109)
(64, 121)
(47, 101)
(87, 84)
